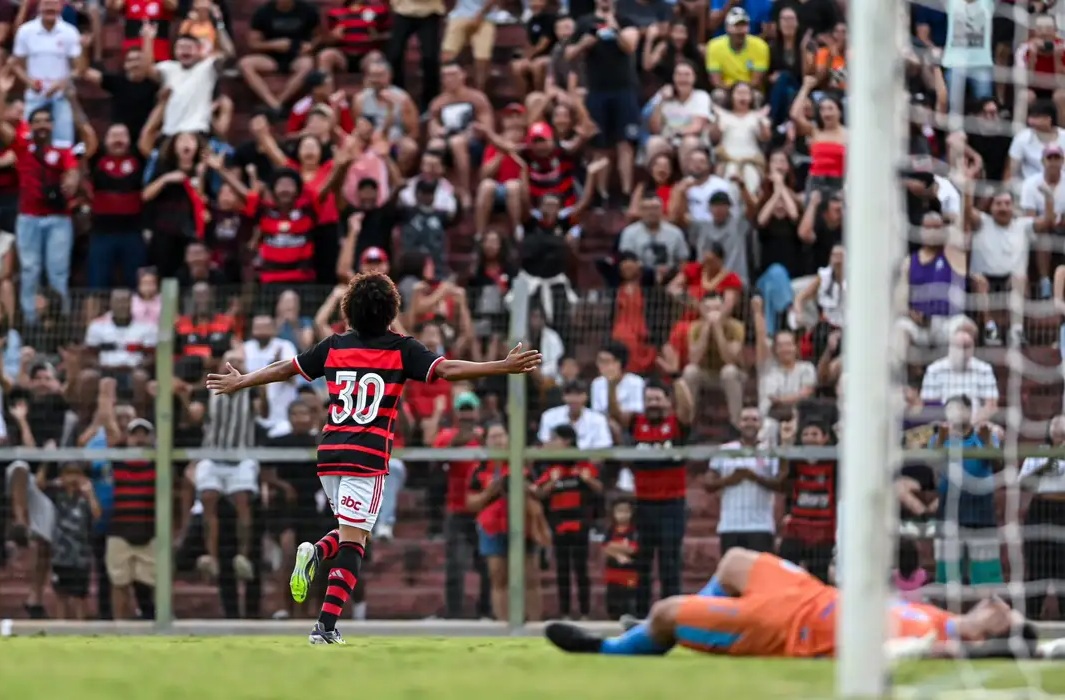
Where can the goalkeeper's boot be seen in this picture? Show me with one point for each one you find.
(303, 571)
(320, 635)
(573, 638)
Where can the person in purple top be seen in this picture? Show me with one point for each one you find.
(933, 282)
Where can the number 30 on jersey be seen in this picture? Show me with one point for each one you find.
(360, 397)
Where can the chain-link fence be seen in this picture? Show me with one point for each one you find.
(199, 502)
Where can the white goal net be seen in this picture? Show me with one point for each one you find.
(965, 350)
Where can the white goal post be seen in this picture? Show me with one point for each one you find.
(874, 230)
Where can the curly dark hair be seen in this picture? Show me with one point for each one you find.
(371, 303)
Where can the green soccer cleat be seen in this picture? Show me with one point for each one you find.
(303, 571)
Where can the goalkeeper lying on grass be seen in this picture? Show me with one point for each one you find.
(760, 605)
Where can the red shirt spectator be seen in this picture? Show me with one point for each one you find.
(493, 517)
(41, 169)
(117, 181)
(551, 169)
(159, 12)
(458, 472)
(699, 281)
(508, 167)
(422, 398)
(297, 118)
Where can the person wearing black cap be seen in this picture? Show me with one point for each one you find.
(285, 224)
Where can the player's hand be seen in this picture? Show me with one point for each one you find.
(225, 383)
(520, 361)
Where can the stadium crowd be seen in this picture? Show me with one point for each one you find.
(667, 180)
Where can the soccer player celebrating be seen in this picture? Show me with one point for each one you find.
(365, 369)
(761, 605)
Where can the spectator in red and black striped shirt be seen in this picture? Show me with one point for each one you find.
(285, 223)
(130, 553)
(552, 169)
(568, 490)
(117, 177)
(354, 30)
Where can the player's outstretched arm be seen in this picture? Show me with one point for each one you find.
(233, 381)
(517, 361)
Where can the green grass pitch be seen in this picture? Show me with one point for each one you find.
(264, 668)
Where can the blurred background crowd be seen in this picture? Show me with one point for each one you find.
(667, 180)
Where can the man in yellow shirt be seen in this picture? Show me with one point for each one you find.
(737, 57)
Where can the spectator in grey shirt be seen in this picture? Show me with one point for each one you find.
(658, 244)
(728, 226)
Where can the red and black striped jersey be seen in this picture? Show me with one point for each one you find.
(286, 243)
(117, 182)
(663, 480)
(363, 25)
(555, 175)
(365, 377)
(133, 517)
(569, 504)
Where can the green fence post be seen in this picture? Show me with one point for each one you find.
(517, 422)
(164, 461)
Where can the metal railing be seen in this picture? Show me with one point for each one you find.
(520, 453)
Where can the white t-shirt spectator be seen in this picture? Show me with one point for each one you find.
(1027, 149)
(831, 297)
(278, 394)
(553, 350)
(120, 346)
(1033, 200)
(746, 506)
(942, 382)
(949, 197)
(1001, 251)
(48, 53)
(777, 381)
(677, 116)
(1051, 473)
(629, 392)
(191, 90)
(699, 197)
(593, 431)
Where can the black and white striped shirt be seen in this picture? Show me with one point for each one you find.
(230, 422)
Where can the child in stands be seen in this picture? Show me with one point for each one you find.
(75, 510)
(620, 574)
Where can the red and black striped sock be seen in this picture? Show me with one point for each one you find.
(326, 548)
(342, 578)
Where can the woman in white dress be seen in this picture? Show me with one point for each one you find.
(739, 132)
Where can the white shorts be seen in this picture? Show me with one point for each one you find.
(227, 478)
(354, 500)
(39, 507)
